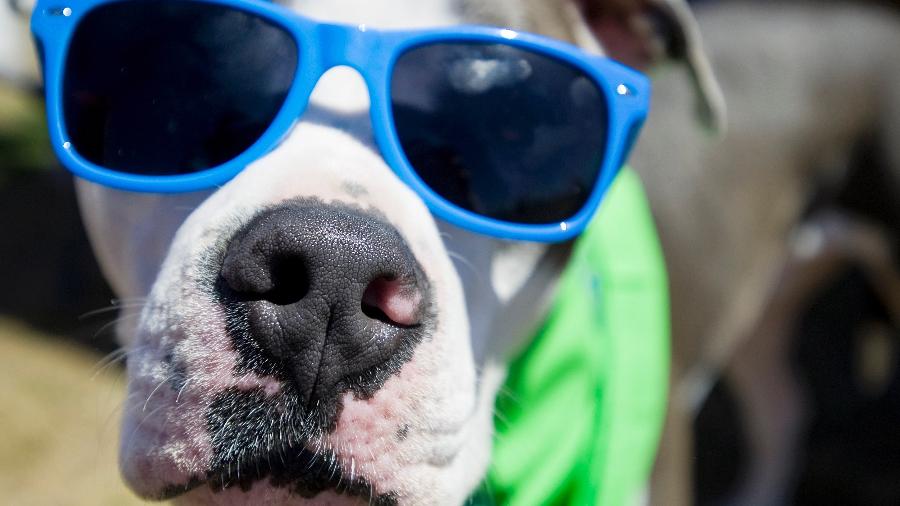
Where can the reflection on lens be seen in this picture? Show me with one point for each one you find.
(172, 87)
(506, 133)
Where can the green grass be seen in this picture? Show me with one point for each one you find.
(59, 425)
(24, 142)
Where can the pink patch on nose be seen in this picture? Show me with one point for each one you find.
(392, 301)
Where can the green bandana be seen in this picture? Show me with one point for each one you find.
(579, 417)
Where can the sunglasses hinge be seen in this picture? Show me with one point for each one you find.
(62, 11)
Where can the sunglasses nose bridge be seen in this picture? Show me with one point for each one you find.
(349, 45)
(344, 54)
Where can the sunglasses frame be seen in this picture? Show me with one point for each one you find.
(372, 53)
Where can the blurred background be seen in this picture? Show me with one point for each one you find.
(62, 385)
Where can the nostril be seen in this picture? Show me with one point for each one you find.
(325, 299)
(392, 301)
(290, 280)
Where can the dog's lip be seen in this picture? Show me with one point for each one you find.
(172, 491)
(218, 480)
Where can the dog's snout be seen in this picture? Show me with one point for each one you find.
(331, 294)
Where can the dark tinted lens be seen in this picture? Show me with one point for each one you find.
(173, 87)
(500, 131)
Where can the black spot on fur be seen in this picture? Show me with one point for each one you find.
(402, 432)
(255, 438)
(354, 189)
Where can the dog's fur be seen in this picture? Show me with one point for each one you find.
(804, 82)
(422, 434)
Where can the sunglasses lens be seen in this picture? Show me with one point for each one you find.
(173, 87)
(500, 131)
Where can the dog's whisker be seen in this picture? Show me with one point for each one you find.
(161, 383)
(187, 381)
(506, 393)
(109, 359)
(479, 276)
(334, 465)
(341, 475)
(113, 358)
(114, 413)
(501, 418)
(109, 309)
(146, 417)
(120, 300)
(115, 321)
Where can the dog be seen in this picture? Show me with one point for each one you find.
(200, 423)
(804, 83)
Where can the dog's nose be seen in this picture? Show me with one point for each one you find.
(331, 295)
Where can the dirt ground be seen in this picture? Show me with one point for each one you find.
(59, 424)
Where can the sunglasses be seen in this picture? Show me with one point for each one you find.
(502, 133)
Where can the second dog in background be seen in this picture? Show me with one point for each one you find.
(804, 84)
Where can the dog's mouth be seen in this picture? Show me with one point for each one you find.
(263, 441)
(304, 472)
(300, 471)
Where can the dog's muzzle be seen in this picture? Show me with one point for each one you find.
(326, 298)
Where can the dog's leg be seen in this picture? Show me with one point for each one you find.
(671, 483)
(773, 410)
(770, 403)
(771, 400)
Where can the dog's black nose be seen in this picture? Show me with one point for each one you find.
(331, 295)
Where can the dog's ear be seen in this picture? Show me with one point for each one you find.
(646, 33)
(640, 33)
(18, 59)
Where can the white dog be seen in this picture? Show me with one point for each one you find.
(213, 413)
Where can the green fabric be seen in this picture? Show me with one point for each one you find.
(579, 417)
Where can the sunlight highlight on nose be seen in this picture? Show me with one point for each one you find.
(341, 89)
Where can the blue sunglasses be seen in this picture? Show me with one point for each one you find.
(502, 133)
